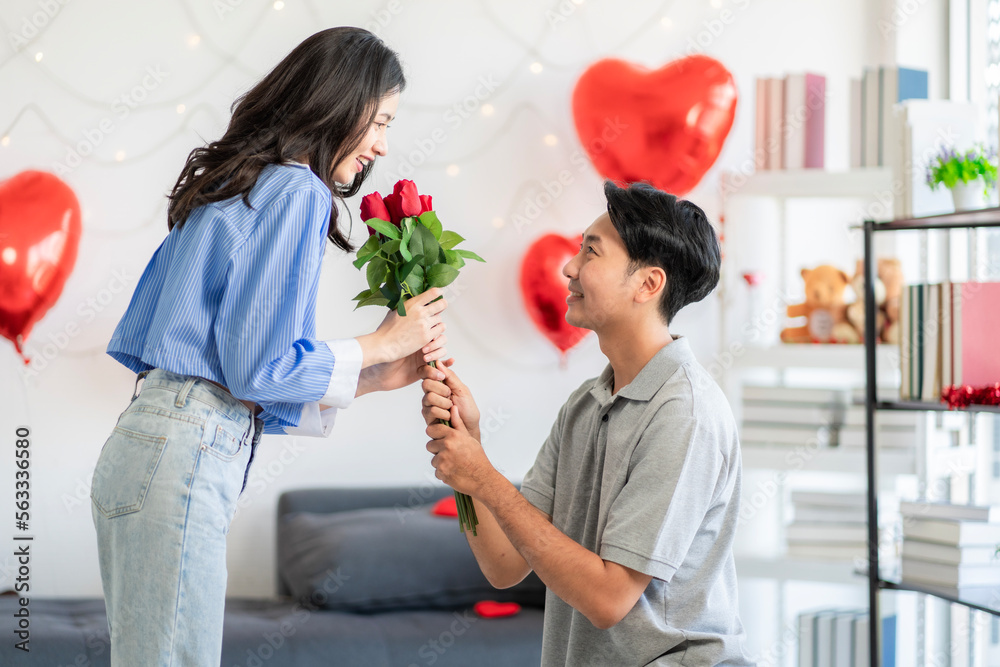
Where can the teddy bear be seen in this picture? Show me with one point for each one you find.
(888, 290)
(890, 272)
(824, 307)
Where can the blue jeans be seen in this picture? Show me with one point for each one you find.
(163, 495)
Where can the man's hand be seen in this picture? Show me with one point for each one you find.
(442, 389)
(459, 460)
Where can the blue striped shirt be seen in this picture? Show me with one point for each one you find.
(231, 296)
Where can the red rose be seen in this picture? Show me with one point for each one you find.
(372, 206)
(404, 201)
(425, 203)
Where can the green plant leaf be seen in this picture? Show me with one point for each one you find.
(389, 248)
(384, 228)
(404, 245)
(363, 294)
(373, 300)
(415, 280)
(423, 243)
(401, 308)
(403, 271)
(450, 239)
(376, 272)
(440, 275)
(468, 254)
(452, 258)
(431, 222)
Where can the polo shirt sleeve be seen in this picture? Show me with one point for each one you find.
(260, 328)
(538, 486)
(674, 476)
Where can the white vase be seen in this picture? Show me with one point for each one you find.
(969, 196)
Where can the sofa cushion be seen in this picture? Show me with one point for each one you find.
(386, 558)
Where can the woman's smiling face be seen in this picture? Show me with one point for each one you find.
(374, 142)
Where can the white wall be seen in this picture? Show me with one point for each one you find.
(95, 51)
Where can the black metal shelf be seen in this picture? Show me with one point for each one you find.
(986, 217)
(934, 407)
(984, 598)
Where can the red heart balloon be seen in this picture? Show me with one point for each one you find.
(664, 126)
(545, 288)
(39, 237)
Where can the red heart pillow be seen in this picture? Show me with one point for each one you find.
(446, 507)
(491, 609)
(665, 126)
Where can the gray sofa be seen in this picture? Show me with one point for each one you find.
(355, 624)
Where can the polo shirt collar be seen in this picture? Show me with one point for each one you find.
(652, 376)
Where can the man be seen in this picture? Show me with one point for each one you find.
(629, 511)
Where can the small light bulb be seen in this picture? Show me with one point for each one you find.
(194, 40)
(5, 141)
(120, 155)
(452, 170)
(487, 110)
(279, 5)
(38, 57)
(550, 139)
(536, 68)
(498, 222)
(666, 22)
(180, 108)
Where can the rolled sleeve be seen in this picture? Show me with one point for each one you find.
(343, 385)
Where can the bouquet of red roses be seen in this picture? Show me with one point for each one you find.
(408, 252)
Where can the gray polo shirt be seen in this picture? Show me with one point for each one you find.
(648, 478)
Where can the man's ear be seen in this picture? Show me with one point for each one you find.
(654, 282)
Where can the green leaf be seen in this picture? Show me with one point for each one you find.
(440, 275)
(423, 243)
(401, 308)
(376, 272)
(389, 248)
(415, 280)
(384, 228)
(468, 254)
(367, 251)
(364, 294)
(452, 258)
(450, 239)
(373, 300)
(404, 245)
(403, 271)
(431, 222)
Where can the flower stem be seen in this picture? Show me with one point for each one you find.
(467, 518)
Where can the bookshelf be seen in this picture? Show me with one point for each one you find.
(983, 599)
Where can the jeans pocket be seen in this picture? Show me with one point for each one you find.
(124, 471)
(225, 446)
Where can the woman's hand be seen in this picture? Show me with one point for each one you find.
(391, 375)
(442, 389)
(399, 337)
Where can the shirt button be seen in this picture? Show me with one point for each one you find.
(605, 417)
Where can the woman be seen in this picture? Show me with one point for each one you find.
(222, 328)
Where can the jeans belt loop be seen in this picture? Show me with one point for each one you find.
(182, 395)
(142, 375)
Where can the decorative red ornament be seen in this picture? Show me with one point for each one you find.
(39, 237)
(446, 507)
(491, 609)
(964, 396)
(545, 289)
(665, 126)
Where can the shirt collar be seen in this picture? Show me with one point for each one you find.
(664, 363)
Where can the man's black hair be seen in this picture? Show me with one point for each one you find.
(658, 229)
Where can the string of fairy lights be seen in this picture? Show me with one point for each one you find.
(532, 63)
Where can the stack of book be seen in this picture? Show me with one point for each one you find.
(950, 546)
(946, 334)
(874, 131)
(790, 122)
(814, 418)
(828, 526)
(839, 638)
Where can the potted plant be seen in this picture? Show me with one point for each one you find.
(971, 176)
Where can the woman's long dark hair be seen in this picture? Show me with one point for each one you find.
(317, 103)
